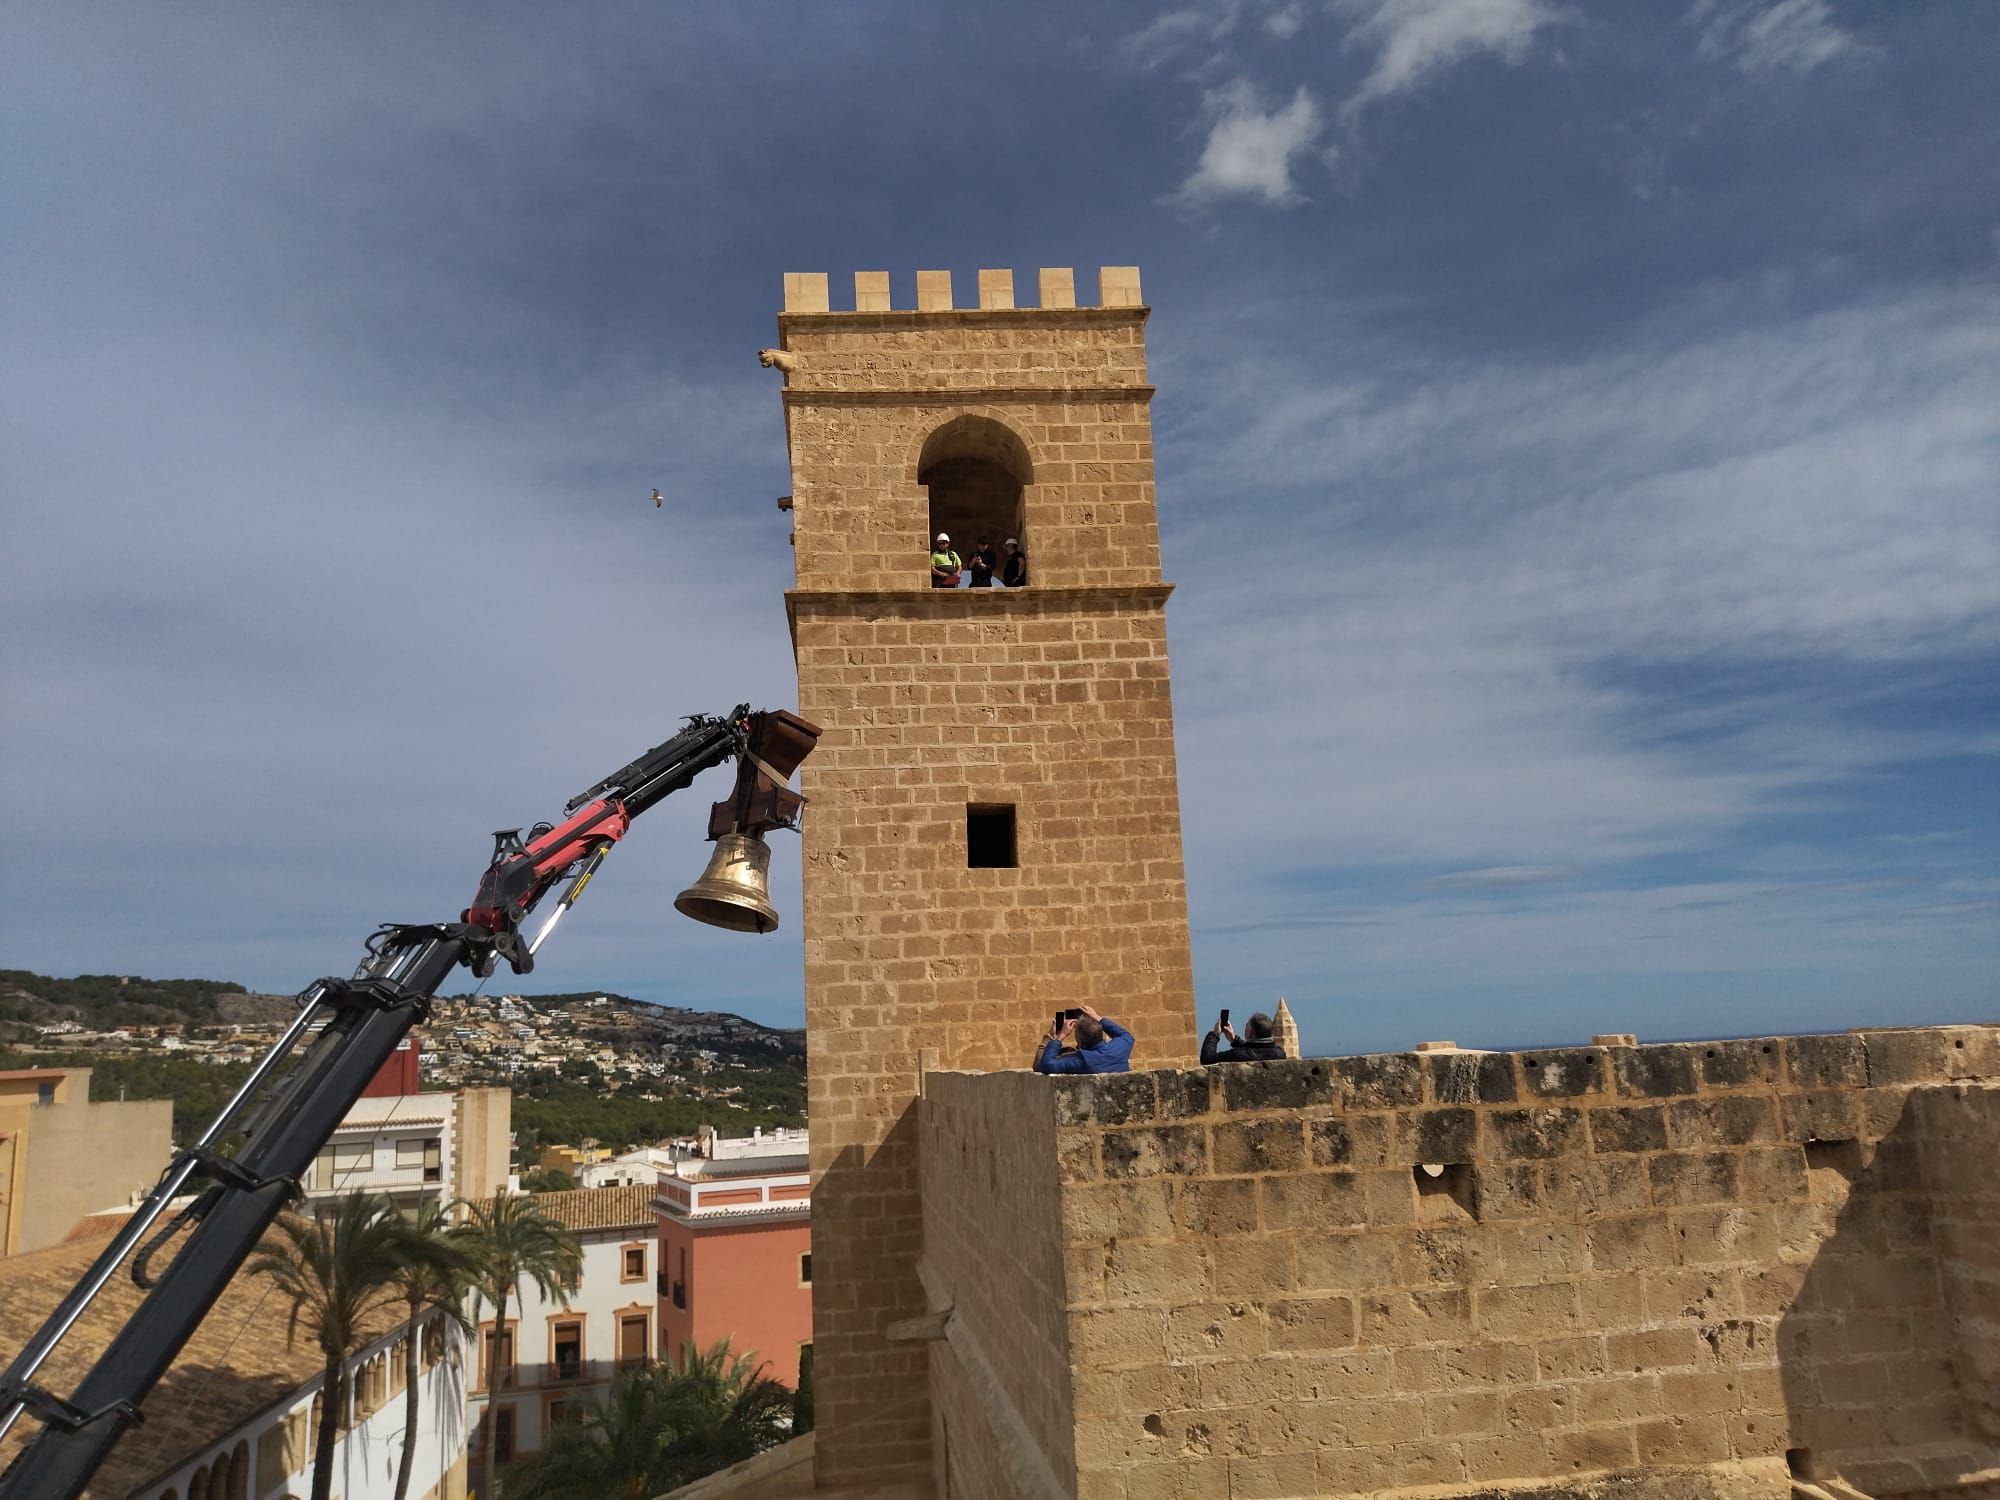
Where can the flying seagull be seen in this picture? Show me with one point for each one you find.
(656, 499)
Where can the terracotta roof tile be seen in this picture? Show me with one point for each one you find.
(600, 1208)
(236, 1364)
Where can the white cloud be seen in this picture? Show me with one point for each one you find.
(1505, 876)
(1285, 22)
(1460, 629)
(1176, 31)
(1795, 35)
(1413, 39)
(1250, 149)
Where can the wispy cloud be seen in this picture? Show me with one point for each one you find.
(1286, 21)
(1543, 625)
(1412, 40)
(1177, 32)
(1251, 149)
(1764, 36)
(1505, 876)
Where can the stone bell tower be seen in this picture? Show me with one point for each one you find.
(994, 831)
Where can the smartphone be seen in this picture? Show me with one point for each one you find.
(1071, 1015)
(1225, 1018)
(1059, 1020)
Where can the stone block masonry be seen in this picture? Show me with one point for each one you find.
(1679, 1269)
(994, 831)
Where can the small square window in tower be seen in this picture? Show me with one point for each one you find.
(989, 837)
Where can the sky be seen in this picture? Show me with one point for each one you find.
(1578, 441)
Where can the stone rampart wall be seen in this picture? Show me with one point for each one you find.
(1456, 1270)
(1959, 1127)
(993, 1254)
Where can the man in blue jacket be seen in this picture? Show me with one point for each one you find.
(1101, 1046)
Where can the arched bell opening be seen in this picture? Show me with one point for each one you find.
(977, 471)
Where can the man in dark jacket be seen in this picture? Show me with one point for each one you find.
(1014, 570)
(1259, 1044)
(1102, 1046)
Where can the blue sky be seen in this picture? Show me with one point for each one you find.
(1579, 459)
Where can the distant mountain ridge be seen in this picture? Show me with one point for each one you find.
(103, 1002)
(98, 1002)
(651, 1010)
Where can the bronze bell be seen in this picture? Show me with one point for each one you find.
(735, 890)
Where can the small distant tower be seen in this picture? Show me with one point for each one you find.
(1286, 1029)
(994, 830)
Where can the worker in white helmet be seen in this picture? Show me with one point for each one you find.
(944, 563)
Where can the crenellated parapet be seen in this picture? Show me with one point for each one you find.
(1117, 287)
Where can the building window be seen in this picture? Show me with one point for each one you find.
(410, 1152)
(635, 1263)
(561, 1411)
(632, 1339)
(806, 1269)
(989, 836)
(433, 1160)
(45, 1093)
(335, 1165)
(499, 1349)
(569, 1350)
(503, 1432)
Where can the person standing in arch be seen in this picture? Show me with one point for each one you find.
(944, 563)
(982, 563)
(1014, 567)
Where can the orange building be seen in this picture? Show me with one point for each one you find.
(736, 1251)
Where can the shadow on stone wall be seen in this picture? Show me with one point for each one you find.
(870, 1395)
(1869, 1352)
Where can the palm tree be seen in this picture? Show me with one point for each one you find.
(659, 1429)
(723, 1410)
(338, 1271)
(617, 1448)
(438, 1267)
(802, 1398)
(514, 1240)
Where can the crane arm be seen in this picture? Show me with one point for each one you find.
(285, 1114)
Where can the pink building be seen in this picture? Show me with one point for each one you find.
(736, 1250)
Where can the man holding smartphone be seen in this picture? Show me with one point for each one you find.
(1259, 1043)
(1101, 1046)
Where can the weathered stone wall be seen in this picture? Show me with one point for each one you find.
(1640, 1259)
(1053, 699)
(993, 1254)
(1958, 1129)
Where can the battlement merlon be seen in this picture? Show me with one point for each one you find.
(997, 353)
(807, 294)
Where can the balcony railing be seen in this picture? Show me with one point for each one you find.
(574, 1372)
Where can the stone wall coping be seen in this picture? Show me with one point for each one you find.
(971, 602)
(1544, 1077)
(958, 395)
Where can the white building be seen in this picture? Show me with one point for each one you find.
(637, 1168)
(234, 1417)
(554, 1356)
(271, 1453)
(768, 1146)
(415, 1146)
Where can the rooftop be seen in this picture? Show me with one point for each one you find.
(600, 1208)
(237, 1364)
